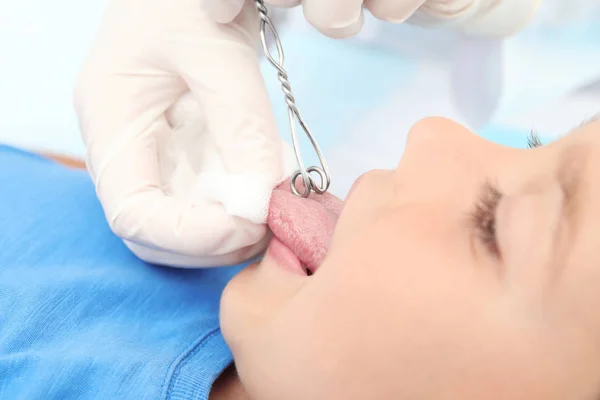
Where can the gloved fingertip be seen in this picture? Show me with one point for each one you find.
(341, 29)
(395, 13)
(222, 11)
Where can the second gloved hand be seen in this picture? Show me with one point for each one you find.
(181, 141)
(344, 18)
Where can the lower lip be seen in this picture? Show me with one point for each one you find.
(284, 257)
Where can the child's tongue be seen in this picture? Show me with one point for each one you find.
(305, 226)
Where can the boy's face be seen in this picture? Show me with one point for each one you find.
(472, 271)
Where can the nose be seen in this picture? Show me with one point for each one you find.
(440, 157)
(437, 134)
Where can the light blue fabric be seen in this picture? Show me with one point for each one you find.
(80, 316)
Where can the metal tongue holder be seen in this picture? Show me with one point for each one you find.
(310, 183)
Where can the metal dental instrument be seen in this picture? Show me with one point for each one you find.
(310, 184)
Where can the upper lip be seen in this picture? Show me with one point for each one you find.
(355, 185)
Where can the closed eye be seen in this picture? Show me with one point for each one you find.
(483, 218)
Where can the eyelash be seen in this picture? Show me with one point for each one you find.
(483, 218)
(533, 140)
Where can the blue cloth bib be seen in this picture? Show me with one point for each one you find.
(80, 316)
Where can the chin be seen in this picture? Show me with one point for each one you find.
(234, 303)
(255, 295)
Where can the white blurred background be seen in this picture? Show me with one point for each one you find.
(359, 96)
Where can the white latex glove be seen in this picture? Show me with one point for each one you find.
(344, 18)
(176, 198)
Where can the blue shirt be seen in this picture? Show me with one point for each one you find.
(80, 316)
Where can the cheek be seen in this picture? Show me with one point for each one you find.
(413, 273)
(386, 306)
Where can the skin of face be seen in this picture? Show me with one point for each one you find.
(413, 301)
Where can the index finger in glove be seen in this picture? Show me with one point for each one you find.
(220, 65)
(126, 170)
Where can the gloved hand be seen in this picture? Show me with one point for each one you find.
(181, 139)
(344, 18)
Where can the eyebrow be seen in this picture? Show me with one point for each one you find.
(570, 176)
(568, 173)
(572, 161)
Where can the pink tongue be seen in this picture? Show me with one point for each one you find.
(305, 226)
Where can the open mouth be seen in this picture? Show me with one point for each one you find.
(302, 228)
